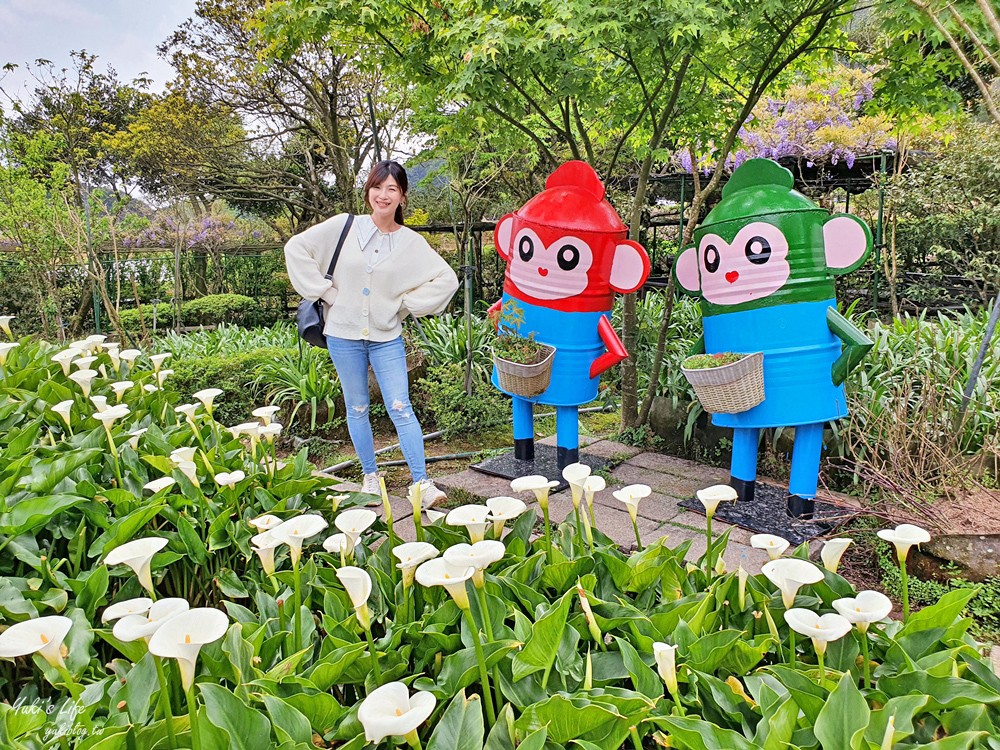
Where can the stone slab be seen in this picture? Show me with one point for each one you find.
(680, 467)
(476, 485)
(617, 524)
(584, 440)
(611, 449)
(664, 483)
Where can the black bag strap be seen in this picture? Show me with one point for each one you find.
(340, 244)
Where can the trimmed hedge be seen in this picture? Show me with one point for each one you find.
(211, 309)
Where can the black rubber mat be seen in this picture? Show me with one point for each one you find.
(767, 514)
(545, 463)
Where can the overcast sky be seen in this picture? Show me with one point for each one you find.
(122, 33)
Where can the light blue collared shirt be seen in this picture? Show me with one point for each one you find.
(375, 244)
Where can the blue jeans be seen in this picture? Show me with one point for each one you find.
(388, 359)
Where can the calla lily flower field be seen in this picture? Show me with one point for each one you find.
(170, 582)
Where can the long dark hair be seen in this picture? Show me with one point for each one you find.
(382, 170)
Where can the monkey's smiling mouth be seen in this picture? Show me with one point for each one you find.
(543, 272)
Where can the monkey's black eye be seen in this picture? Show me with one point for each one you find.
(711, 258)
(525, 248)
(568, 257)
(758, 250)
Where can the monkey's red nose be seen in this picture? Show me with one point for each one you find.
(543, 271)
(731, 276)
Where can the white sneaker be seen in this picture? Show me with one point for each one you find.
(370, 486)
(430, 494)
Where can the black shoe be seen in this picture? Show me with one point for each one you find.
(524, 449)
(745, 489)
(799, 507)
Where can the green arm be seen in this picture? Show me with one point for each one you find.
(698, 347)
(857, 345)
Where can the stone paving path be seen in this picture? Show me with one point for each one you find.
(671, 479)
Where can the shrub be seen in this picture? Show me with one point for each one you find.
(445, 341)
(226, 340)
(131, 318)
(213, 309)
(297, 380)
(442, 395)
(233, 373)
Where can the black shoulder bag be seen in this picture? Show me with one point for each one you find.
(310, 313)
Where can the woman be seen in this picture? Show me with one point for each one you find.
(385, 272)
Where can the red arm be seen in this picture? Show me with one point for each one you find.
(493, 313)
(616, 350)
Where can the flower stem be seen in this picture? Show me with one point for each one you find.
(867, 658)
(488, 627)
(708, 545)
(413, 740)
(822, 666)
(371, 648)
(483, 675)
(638, 541)
(193, 714)
(791, 648)
(636, 740)
(297, 618)
(168, 714)
(904, 585)
(548, 535)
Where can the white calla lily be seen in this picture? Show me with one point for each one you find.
(264, 522)
(576, 474)
(129, 356)
(502, 509)
(440, 572)
(295, 531)
(353, 523)
(903, 537)
(264, 544)
(823, 629)
(390, 711)
(207, 397)
(230, 479)
(832, 551)
(5, 324)
(121, 387)
(537, 484)
(84, 363)
(158, 485)
(266, 413)
(472, 517)
(182, 636)
(479, 555)
(5, 349)
(186, 453)
(100, 403)
(138, 555)
(190, 470)
(337, 544)
(150, 388)
(710, 497)
(42, 635)
(83, 378)
(64, 409)
(269, 432)
(112, 414)
(774, 545)
(163, 375)
(666, 665)
(864, 608)
(158, 360)
(133, 627)
(411, 555)
(137, 606)
(631, 495)
(358, 585)
(789, 574)
(134, 436)
(65, 359)
(591, 486)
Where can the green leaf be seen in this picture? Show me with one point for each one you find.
(47, 474)
(568, 719)
(645, 680)
(247, 728)
(944, 692)
(461, 727)
(696, 734)
(29, 515)
(539, 652)
(941, 614)
(288, 722)
(843, 718)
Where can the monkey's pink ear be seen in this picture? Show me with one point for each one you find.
(630, 267)
(686, 271)
(503, 236)
(846, 241)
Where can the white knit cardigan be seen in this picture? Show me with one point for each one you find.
(365, 302)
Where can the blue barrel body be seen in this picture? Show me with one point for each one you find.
(578, 344)
(799, 352)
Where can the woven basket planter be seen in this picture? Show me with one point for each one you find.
(729, 389)
(527, 381)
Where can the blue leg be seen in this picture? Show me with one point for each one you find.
(567, 436)
(743, 469)
(805, 470)
(524, 430)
